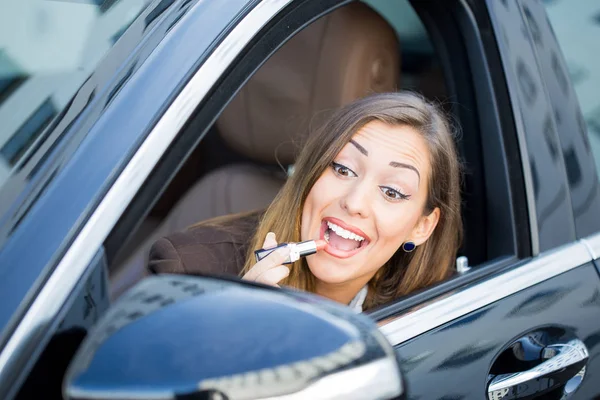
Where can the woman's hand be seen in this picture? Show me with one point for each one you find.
(269, 270)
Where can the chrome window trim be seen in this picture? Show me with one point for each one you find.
(593, 244)
(458, 303)
(71, 267)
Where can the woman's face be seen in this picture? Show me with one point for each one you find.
(368, 203)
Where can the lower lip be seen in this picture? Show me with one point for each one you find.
(335, 251)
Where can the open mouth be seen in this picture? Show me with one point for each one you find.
(342, 240)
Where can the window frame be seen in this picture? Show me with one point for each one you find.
(497, 119)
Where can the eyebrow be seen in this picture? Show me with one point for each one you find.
(394, 164)
(402, 165)
(359, 147)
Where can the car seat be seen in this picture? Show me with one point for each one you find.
(343, 56)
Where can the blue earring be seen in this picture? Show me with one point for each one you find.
(408, 246)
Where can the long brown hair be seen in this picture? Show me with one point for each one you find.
(432, 261)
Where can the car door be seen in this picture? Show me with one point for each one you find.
(531, 282)
(466, 341)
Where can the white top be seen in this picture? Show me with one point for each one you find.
(358, 300)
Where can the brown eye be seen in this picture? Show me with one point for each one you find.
(393, 194)
(342, 170)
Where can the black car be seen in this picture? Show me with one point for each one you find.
(122, 121)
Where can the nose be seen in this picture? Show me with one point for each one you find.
(356, 201)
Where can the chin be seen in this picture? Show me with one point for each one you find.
(330, 272)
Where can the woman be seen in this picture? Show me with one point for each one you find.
(380, 182)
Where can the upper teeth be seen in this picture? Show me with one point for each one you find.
(344, 233)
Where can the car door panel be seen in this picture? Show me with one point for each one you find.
(453, 360)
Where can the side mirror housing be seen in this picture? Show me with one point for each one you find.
(182, 337)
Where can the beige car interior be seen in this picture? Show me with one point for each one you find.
(344, 55)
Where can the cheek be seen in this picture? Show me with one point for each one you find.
(316, 201)
(395, 223)
(321, 194)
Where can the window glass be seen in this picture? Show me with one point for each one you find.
(47, 50)
(577, 28)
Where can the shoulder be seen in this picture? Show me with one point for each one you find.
(229, 229)
(214, 247)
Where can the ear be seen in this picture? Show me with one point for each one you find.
(425, 227)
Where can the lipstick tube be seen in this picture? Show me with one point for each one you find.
(297, 250)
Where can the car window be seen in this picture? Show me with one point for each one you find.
(47, 50)
(577, 28)
(224, 152)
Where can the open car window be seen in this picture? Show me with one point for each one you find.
(223, 174)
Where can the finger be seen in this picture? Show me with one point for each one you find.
(274, 259)
(270, 241)
(274, 275)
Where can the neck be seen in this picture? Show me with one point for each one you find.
(342, 293)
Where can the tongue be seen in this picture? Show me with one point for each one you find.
(341, 243)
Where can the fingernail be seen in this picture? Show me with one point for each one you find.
(270, 235)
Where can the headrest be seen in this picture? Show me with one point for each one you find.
(346, 55)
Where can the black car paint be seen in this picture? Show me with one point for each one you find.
(566, 120)
(453, 361)
(557, 140)
(555, 224)
(99, 140)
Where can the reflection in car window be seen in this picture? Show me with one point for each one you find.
(576, 25)
(47, 50)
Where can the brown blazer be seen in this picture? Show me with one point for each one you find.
(215, 249)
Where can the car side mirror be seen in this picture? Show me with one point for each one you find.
(183, 337)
